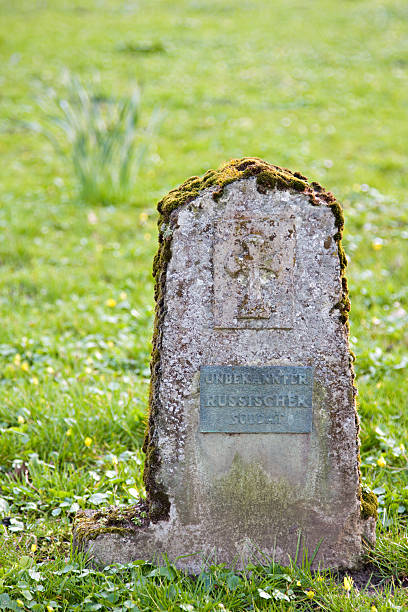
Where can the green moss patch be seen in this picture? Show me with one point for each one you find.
(267, 176)
(369, 503)
(246, 494)
(89, 525)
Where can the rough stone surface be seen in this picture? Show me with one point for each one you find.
(253, 279)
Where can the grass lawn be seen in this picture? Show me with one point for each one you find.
(317, 86)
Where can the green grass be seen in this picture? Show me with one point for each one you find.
(99, 136)
(320, 87)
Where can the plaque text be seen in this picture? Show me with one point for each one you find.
(251, 399)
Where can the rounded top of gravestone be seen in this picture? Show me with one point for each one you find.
(268, 177)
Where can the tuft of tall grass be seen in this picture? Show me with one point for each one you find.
(100, 136)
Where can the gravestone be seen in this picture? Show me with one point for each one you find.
(252, 446)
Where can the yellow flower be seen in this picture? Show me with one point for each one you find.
(319, 579)
(50, 370)
(377, 244)
(381, 462)
(17, 359)
(33, 548)
(402, 447)
(110, 302)
(34, 380)
(68, 432)
(110, 344)
(143, 217)
(88, 370)
(88, 442)
(123, 295)
(373, 609)
(347, 583)
(298, 583)
(310, 594)
(20, 420)
(24, 366)
(50, 609)
(20, 603)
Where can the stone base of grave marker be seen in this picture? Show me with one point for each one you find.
(252, 451)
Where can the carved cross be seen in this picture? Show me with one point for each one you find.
(254, 257)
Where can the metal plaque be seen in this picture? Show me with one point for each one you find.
(252, 399)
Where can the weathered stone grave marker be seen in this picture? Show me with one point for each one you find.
(253, 434)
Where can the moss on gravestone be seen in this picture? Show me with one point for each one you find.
(369, 503)
(88, 525)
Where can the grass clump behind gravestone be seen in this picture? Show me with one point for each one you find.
(100, 136)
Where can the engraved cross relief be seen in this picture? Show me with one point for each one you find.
(253, 273)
